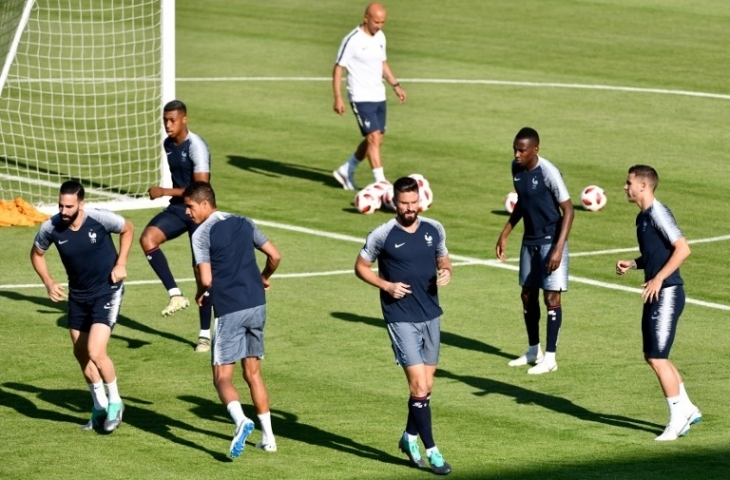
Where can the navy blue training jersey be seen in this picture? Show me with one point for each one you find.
(228, 243)
(656, 231)
(409, 258)
(539, 193)
(190, 157)
(88, 254)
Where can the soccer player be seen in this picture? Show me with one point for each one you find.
(663, 249)
(413, 262)
(224, 246)
(544, 204)
(189, 159)
(95, 274)
(362, 54)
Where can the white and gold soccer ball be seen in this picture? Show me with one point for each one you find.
(593, 198)
(510, 200)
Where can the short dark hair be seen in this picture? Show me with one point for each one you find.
(647, 172)
(72, 187)
(175, 105)
(200, 192)
(403, 185)
(528, 133)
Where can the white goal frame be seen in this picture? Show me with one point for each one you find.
(104, 193)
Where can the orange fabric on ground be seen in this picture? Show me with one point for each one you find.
(19, 213)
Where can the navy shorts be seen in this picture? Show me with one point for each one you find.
(239, 335)
(533, 268)
(173, 222)
(370, 116)
(82, 314)
(659, 322)
(416, 343)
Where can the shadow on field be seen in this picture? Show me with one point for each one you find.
(700, 465)
(149, 420)
(51, 307)
(451, 339)
(286, 425)
(275, 169)
(487, 386)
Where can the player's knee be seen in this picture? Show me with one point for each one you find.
(552, 299)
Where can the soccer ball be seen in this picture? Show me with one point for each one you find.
(593, 198)
(368, 200)
(387, 199)
(510, 201)
(425, 193)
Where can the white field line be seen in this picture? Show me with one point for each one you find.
(456, 81)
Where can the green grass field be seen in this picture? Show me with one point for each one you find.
(607, 83)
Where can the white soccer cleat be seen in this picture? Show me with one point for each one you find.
(695, 417)
(345, 179)
(266, 447)
(176, 303)
(543, 367)
(526, 359)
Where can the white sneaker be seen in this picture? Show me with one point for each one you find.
(345, 178)
(527, 358)
(695, 417)
(673, 432)
(543, 367)
(266, 447)
(176, 303)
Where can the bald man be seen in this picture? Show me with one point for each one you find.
(362, 54)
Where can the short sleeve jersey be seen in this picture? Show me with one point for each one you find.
(656, 231)
(409, 258)
(88, 254)
(190, 157)
(228, 243)
(363, 56)
(540, 191)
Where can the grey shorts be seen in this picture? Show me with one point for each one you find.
(239, 335)
(416, 343)
(533, 268)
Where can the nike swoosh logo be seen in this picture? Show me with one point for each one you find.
(517, 179)
(108, 307)
(61, 242)
(398, 245)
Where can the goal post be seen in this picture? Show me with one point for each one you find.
(81, 94)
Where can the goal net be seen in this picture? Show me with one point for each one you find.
(81, 92)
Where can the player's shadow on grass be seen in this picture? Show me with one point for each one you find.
(277, 169)
(450, 339)
(287, 425)
(50, 307)
(561, 405)
(149, 420)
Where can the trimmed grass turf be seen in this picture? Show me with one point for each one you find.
(338, 402)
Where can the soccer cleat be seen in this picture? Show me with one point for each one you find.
(113, 416)
(96, 421)
(695, 417)
(543, 367)
(239, 438)
(266, 447)
(177, 303)
(438, 465)
(203, 345)
(411, 449)
(345, 179)
(527, 358)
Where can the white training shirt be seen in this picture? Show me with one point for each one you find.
(363, 56)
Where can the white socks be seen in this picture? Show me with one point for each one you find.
(174, 292)
(113, 392)
(236, 412)
(204, 333)
(378, 174)
(549, 357)
(267, 437)
(98, 394)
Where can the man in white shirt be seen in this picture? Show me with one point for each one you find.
(362, 54)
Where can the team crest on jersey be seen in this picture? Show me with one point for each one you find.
(429, 239)
(184, 156)
(534, 183)
(92, 236)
